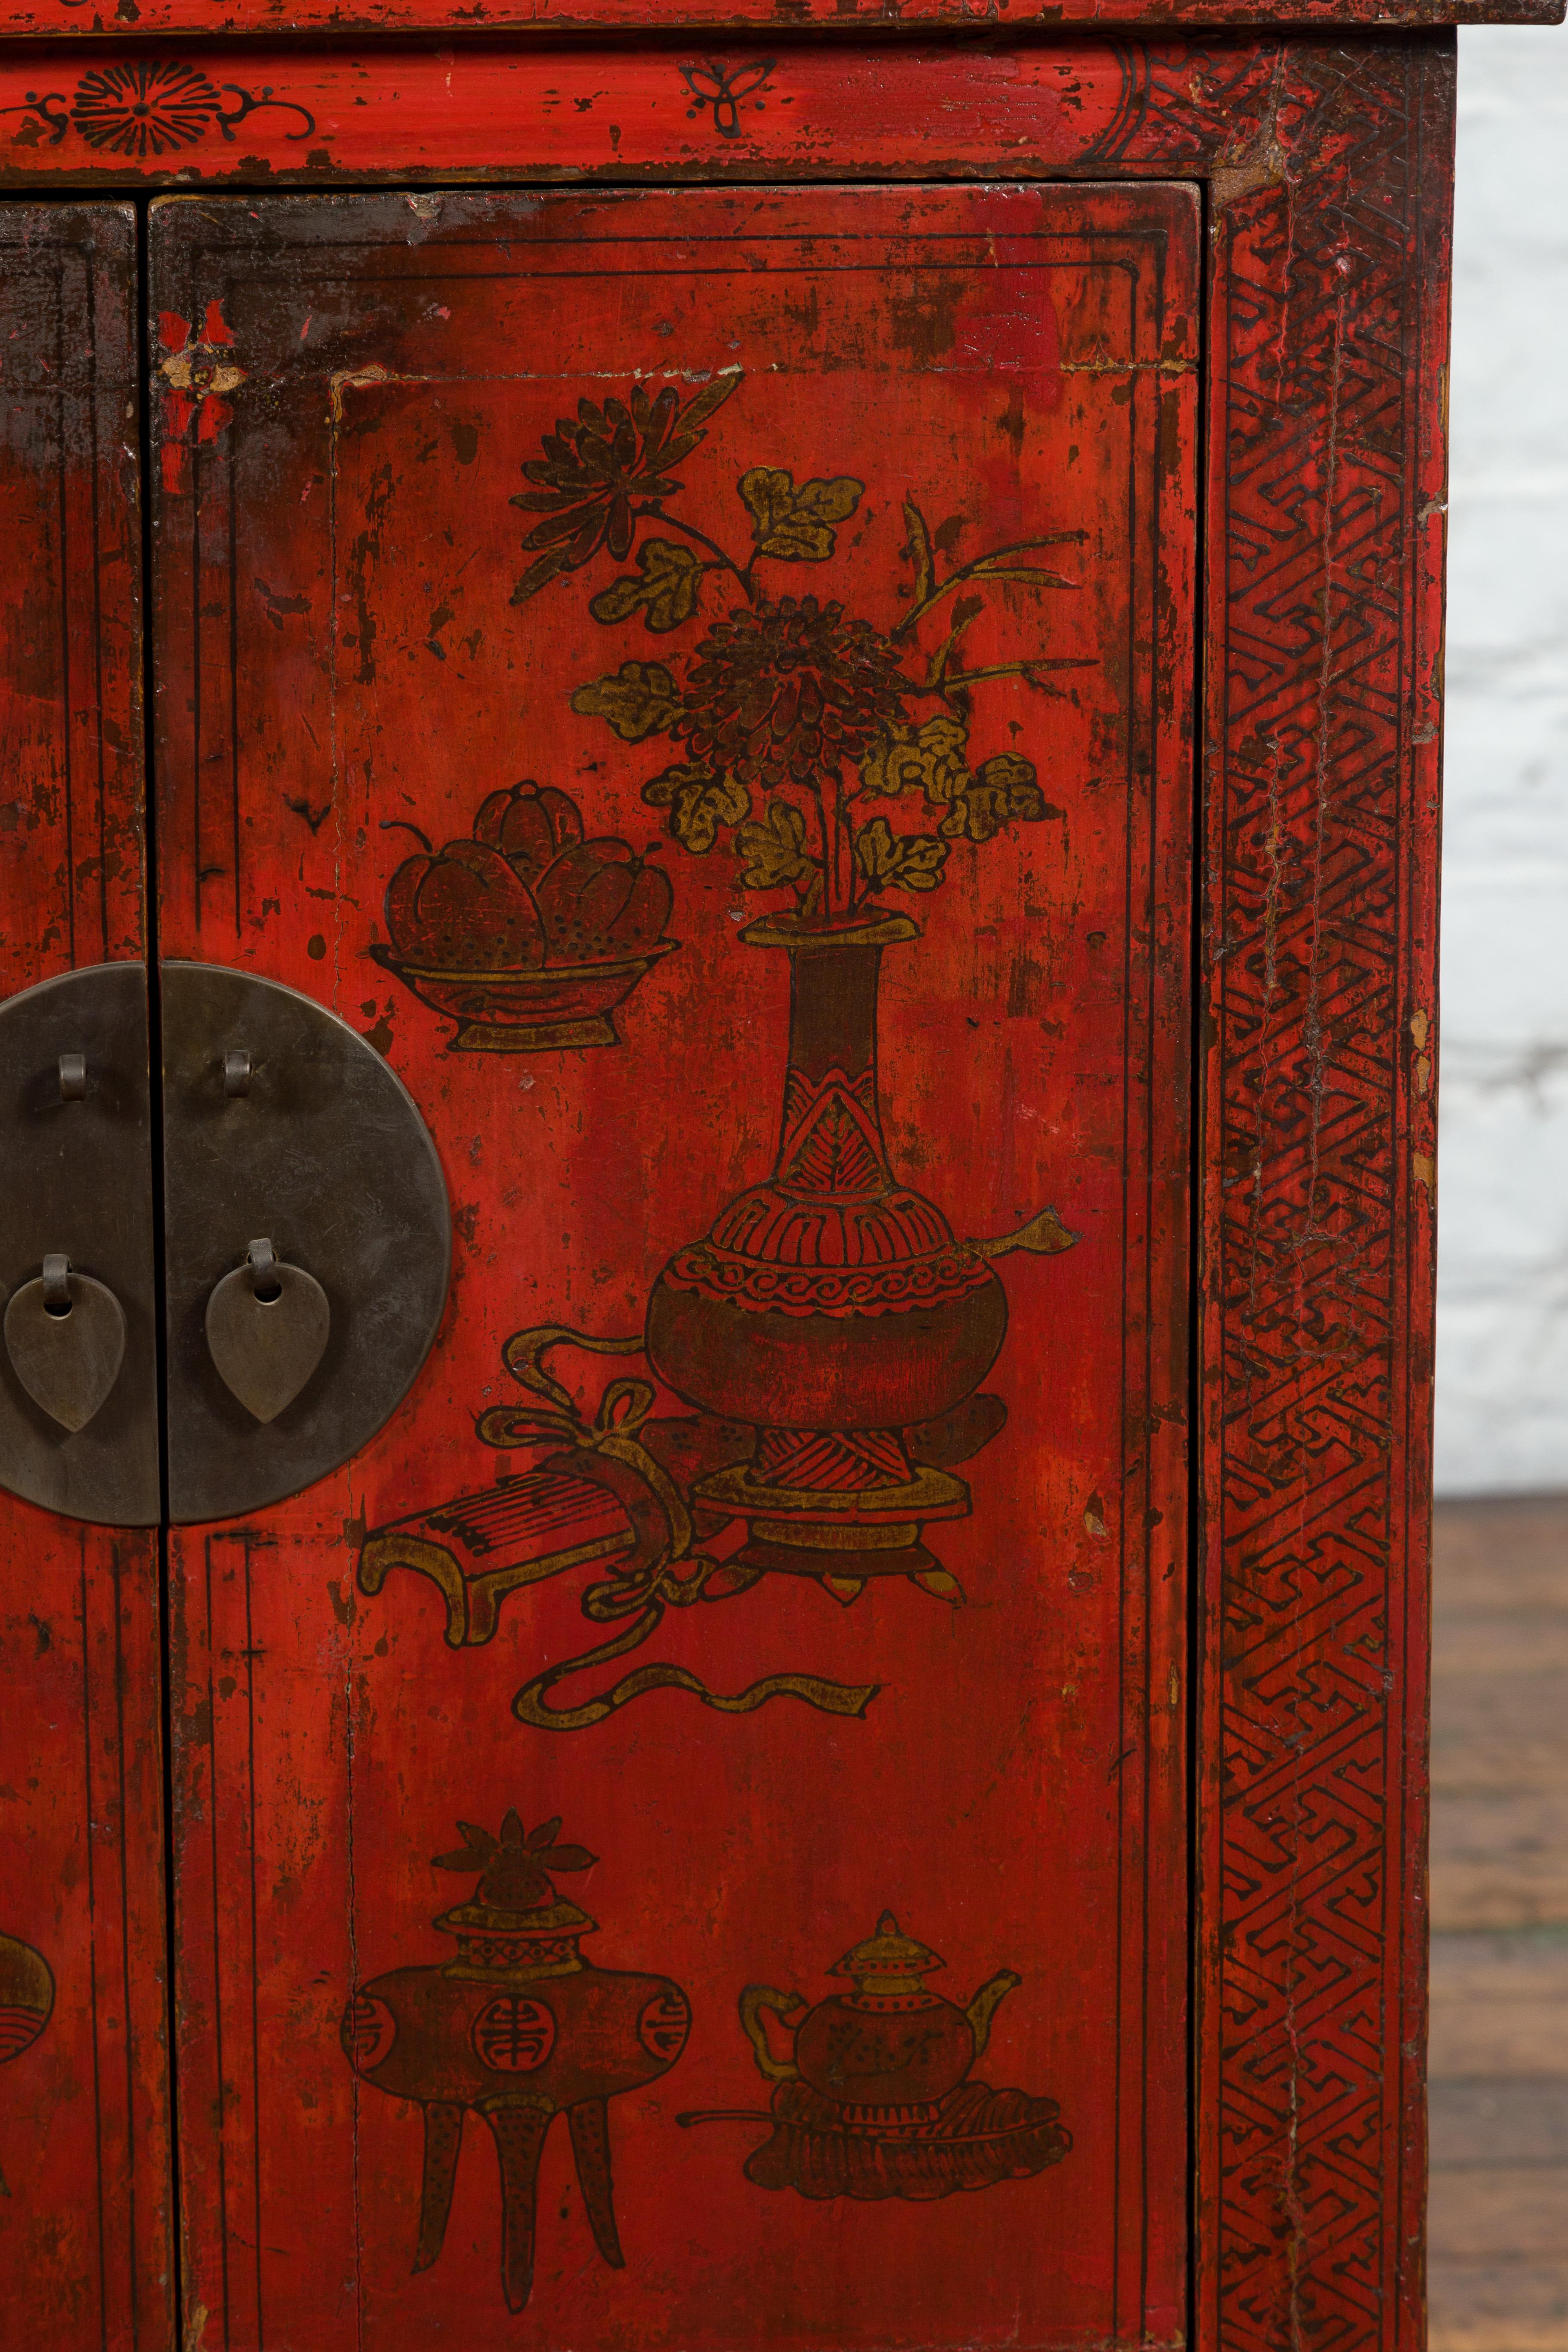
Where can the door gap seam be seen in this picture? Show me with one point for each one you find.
(155, 1140)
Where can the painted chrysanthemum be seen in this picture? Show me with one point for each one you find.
(779, 692)
(144, 108)
(592, 470)
(602, 469)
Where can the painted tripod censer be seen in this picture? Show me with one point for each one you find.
(518, 2028)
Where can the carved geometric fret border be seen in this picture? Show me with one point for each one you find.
(1328, 316)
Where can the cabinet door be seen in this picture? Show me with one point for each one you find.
(85, 2219)
(686, 1830)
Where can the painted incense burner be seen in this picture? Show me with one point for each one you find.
(517, 2028)
(874, 2096)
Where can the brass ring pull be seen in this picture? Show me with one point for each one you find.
(263, 1264)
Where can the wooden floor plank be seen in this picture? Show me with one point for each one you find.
(1479, 1756)
(1497, 2121)
(1528, 1644)
(1501, 1826)
(1501, 2213)
(1497, 2306)
(1484, 1895)
(1498, 2277)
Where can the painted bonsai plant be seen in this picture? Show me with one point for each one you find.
(789, 716)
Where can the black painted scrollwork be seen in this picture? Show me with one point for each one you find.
(147, 107)
(46, 118)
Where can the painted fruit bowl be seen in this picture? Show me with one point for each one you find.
(519, 1009)
(525, 933)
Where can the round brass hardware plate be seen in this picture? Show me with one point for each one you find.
(76, 1179)
(317, 1144)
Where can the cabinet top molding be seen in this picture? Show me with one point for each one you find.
(713, 20)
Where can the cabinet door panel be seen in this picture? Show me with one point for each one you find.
(85, 2226)
(704, 682)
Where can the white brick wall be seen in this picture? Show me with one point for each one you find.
(1502, 1313)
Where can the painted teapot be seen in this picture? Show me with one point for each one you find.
(877, 2097)
(888, 2051)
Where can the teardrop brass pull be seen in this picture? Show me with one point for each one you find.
(65, 1335)
(267, 1326)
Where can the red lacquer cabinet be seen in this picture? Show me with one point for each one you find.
(718, 832)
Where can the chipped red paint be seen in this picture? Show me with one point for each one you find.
(198, 373)
(1185, 105)
(1326, 159)
(702, 23)
(405, 399)
(85, 2226)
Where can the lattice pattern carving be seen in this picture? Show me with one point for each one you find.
(1326, 163)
